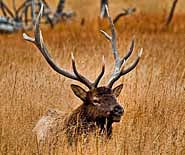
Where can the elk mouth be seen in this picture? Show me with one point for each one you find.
(116, 114)
(116, 117)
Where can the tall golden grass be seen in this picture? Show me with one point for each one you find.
(153, 95)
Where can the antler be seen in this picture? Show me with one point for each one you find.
(75, 75)
(119, 63)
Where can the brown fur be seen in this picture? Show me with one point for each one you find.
(95, 114)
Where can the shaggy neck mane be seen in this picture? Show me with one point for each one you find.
(83, 114)
(84, 119)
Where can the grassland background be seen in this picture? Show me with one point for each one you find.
(153, 94)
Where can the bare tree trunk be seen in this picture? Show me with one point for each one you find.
(2, 8)
(169, 19)
(103, 12)
(14, 7)
(33, 12)
(60, 7)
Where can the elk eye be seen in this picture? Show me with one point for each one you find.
(96, 101)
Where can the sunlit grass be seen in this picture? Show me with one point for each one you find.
(153, 94)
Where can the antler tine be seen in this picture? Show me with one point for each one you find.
(133, 65)
(127, 70)
(106, 35)
(101, 73)
(129, 51)
(81, 78)
(38, 41)
(119, 63)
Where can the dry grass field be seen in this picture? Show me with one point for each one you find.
(153, 94)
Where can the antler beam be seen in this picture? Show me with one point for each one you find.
(119, 62)
(75, 75)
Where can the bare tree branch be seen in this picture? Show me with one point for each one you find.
(171, 14)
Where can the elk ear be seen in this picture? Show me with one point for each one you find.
(117, 90)
(79, 92)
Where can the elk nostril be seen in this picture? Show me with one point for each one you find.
(118, 109)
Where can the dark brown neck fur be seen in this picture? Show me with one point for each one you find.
(84, 120)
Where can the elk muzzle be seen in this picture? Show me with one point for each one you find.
(116, 113)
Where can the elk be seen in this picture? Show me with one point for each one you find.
(100, 108)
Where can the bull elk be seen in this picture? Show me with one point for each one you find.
(100, 108)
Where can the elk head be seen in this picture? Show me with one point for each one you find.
(100, 102)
